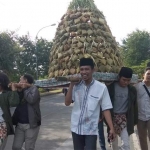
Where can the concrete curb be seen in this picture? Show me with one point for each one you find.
(49, 93)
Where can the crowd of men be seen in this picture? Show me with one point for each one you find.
(120, 104)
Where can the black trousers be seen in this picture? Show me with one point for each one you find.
(84, 142)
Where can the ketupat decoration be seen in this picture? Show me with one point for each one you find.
(83, 32)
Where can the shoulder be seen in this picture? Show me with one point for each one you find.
(78, 85)
(7, 93)
(111, 86)
(137, 85)
(99, 84)
(132, 88)
(33, 87)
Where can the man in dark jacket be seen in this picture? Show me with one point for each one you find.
(27, 114)
(124, 112)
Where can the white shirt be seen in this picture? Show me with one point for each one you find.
(143, 102)
(1, 113)
(86, 109)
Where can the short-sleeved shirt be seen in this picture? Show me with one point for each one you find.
(86, 110)
(143, 102)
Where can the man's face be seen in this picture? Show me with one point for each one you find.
(123, 82)
(22, 80)
(147, 75)
(86, 72)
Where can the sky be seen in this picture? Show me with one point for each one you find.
(23, 16)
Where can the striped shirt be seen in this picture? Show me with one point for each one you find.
(86, 109)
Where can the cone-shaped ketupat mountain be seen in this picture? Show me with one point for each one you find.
(83, 32)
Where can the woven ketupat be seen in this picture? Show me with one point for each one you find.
(83, 32)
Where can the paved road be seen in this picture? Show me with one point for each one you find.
(55, 129)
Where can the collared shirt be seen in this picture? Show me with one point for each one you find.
(143, 102)
(86, 109)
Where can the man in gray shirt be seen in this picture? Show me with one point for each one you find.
(143, 99)
(124, 112)
(121, 95)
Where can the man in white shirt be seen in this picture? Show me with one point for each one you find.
(143, 99)
(88, 95)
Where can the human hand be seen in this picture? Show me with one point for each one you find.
(112, 135)
(102, 118)
(13, 86)
(74, 80)
(25, 85)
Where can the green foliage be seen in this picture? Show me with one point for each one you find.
(136, 48)
(42, 90)
(75, 4)
(18, 55)
(43, 50)
(140, 68)
(26, 60)
(8, 49)
(87, 4)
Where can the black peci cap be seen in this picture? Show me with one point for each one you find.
(125, 72)
(86, 62)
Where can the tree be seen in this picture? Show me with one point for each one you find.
(43, 50)
(26, 59)
(8, 49)
(139, 70)
(18, 55)
(136, 48)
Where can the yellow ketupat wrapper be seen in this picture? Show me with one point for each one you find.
(83, 32)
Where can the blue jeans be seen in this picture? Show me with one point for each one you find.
(101, 135)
